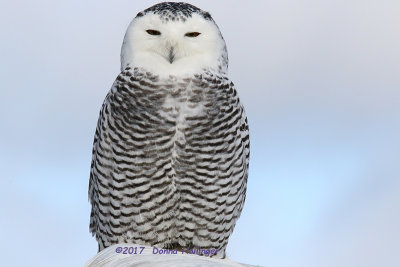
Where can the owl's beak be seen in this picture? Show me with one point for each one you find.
(171, 55)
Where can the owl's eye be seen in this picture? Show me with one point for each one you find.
(192, 34)
(153, 32)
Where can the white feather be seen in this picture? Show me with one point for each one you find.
(151, 52)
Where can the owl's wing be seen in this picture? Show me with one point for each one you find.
(102, 168)
(241, 171)
(237, 157)
(99, 138)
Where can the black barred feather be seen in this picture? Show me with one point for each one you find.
(170, 162)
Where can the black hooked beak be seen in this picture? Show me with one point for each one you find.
(171, 55)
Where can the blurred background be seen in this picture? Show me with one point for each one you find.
(320, 81)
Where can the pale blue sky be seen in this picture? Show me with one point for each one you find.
(321, 86)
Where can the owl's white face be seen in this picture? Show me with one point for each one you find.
(173, 47)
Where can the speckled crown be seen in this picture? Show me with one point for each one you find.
(172, 11)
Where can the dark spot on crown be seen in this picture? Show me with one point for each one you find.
(207, 16)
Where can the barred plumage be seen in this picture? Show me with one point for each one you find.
(170, 160)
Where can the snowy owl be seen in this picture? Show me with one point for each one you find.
(171, 149)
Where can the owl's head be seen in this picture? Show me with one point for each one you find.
(174, 39)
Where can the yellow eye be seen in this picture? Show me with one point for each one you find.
(153, 32)
(192, 34)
